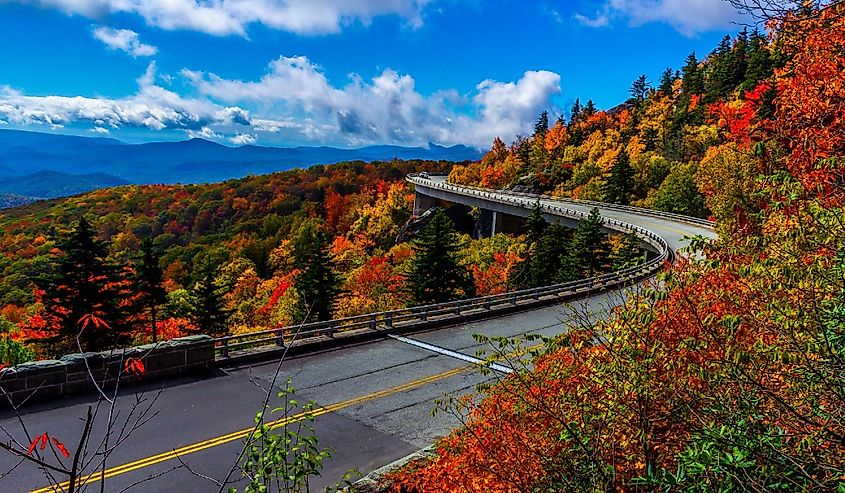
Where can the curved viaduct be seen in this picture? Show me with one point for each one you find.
(376, 396)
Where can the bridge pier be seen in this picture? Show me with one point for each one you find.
(423, 203)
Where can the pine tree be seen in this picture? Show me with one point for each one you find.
(547, 265)
(740, 52)
(575, 112)
(84, 284)
(760, 65)
(541, 128)
(535, 228)
(720, 71)
(590, 247)
(620, 184)
(149, 281)
(692, 79)
(589, 109)
(207, 303)
(640, 88)
(667, 82)
(436, 275)
(316, 282)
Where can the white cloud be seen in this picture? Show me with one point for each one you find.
(386, 109)
(152, 107)
(223, 17)
(123, 40)
(688, 17)
(600, 20)
(295, 102)
(100, 130)
(244, 139)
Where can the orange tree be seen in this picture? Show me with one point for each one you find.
(730, 378)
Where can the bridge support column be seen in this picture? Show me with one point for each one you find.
(494, 224)
(422, 203)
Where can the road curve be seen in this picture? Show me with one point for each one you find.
(376, 398)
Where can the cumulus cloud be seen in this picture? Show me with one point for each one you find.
(388, 108)
(689, 17)
(244, 139)
(152, 107)
(123, 40)
(295, 102)
(223, 17)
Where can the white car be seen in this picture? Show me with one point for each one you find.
(424, 175)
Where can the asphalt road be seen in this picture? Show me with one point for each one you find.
(377, 400)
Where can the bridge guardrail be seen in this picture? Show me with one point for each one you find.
(419, 316)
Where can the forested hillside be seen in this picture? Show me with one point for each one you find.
(659, 149)
(730, 377)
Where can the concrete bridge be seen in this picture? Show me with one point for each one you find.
(375, 396)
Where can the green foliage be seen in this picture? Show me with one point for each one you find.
(284, 455)
(82, 282)
(590, 250)
(679, 194)
(316, 282)
(149, 281)
(620, 184)
(207, 306)
(436, 273)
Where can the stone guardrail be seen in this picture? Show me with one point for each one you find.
(76, 373)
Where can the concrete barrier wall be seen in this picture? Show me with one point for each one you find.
(72, 374)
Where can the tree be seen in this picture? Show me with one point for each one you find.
(575, 112)
(692, 82)
(640, 88)
(620, 184)
(667, 82)
(316, 282)
(149, 284)
(760, 66)
(679, 194)
(82, 283)
(436, 274)
(535, 228)
(590, 250)
(589, 109)
(628, 254)
(542, 125)
(207, 304)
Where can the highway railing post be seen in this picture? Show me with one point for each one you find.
(280, 338)
(224, 348)
(373, 322)
(388, 320)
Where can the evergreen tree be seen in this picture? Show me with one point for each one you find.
(316, 282)
(548, 263)
(83, 284)
(590, 250)
(534, 228)
(620, 184)
(740, 59)
(640, 88)
(589, 109)
(542, 125)
(207, 305)
(436, 275)
(760, 64)
(692, 79)
(718, 83)
(149, 281)
(575, 112)
(667, 82)
(561, 120)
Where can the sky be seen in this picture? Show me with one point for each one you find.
(345, 73)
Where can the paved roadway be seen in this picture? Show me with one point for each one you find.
(379, 397)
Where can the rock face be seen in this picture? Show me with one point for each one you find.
(375, 481)
(415, 225)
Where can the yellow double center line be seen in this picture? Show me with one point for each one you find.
(239, 435)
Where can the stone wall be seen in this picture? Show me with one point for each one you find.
(72, 373)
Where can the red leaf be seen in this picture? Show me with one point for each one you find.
(61, 447)
(44, 440)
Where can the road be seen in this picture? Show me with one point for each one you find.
(377, 400)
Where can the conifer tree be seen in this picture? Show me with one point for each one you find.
(629, 254)
(541, 128)
(667, 82)
(149, 281)
(535, 228)
(575, 112)
(692, 81)
(589, 109)
(760, 64)
(84, 284)
(436, 274)
(620, 184)
(549, 263)
(590, 247)
(316, 282)
(207, 304)
(640, 88)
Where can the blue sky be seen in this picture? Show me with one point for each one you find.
(333, 72)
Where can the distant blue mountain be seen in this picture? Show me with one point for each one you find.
(106, 161)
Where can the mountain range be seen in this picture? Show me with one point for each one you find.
(38, 165)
